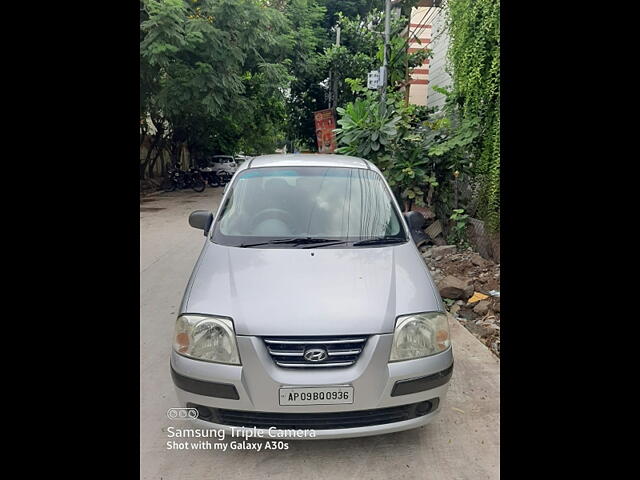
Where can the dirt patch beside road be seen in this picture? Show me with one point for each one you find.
(470, 287)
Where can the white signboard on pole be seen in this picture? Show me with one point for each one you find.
(373, 80)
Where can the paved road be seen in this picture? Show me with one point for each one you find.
(463, 443)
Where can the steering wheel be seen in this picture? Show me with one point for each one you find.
(272, 213)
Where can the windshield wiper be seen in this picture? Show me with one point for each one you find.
(379, 241)
(325, 244)
(289, 241)
(245, 245)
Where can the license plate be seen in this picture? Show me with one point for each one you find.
(316, 395)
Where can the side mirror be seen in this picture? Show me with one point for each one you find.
(416, 222)
(201, 219)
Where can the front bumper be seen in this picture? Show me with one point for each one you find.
(254, 386)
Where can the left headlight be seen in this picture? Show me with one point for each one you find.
(420, 335)
(206, 338)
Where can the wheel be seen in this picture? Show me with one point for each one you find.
(219, 179)
(168, 185)
(213, 181)
(197, 184)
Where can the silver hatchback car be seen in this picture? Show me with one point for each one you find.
(310, 308)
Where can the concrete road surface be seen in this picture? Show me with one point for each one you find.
(462, 443)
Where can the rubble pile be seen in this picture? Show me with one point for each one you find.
(470, 287)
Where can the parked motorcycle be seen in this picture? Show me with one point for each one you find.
(173, 179)
(179, 179)
(214, 178)
(195, 180)
(225, 177)
(211, 177)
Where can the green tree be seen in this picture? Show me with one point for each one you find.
(362, 50)
(212, 63)
(348, 8)
(306, 94)
(316, 56)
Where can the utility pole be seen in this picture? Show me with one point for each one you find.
(385, 57)
(334, 78)
(406, 65)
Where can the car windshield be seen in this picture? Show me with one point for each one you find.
(305, 206)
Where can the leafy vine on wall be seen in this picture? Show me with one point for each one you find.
(474, 63)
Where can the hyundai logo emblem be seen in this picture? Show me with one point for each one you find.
(315, 355)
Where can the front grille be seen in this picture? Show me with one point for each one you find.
(319, 421)
(288, 352)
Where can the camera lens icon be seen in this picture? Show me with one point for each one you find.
(182, 413)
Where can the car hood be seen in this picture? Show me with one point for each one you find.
(320, 291)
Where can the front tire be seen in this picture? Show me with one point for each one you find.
(198, 185)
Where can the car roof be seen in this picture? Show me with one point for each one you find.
(310, 160)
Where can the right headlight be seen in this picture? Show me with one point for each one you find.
(206, 338)
(420, 335)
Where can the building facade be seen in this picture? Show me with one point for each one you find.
(427, 30)
(438, 74)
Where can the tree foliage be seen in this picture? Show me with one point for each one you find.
(213, 73)
(317, 58)
(226, 75)
(366, 128)
(395, 136)
(305, 94)
(362, 50)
